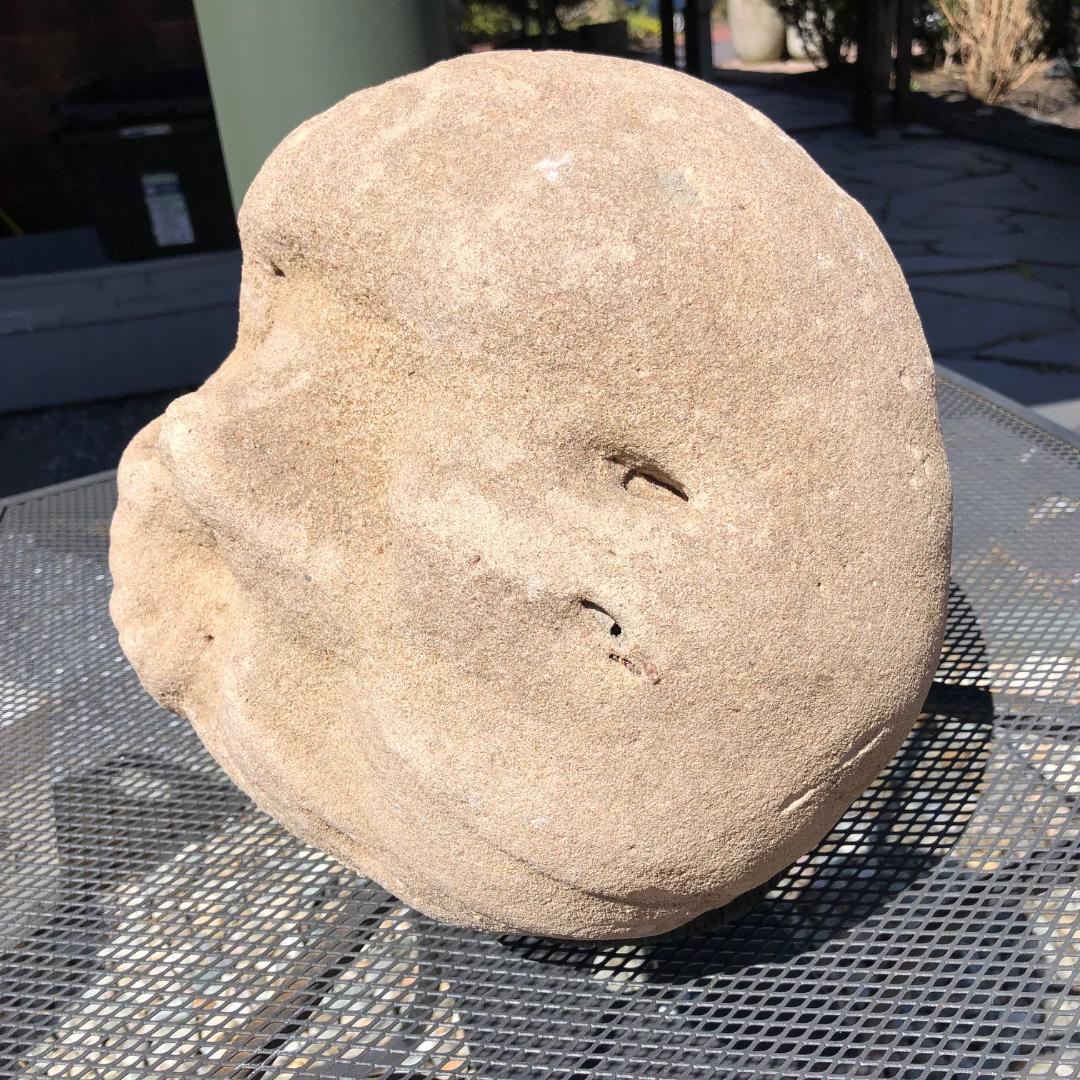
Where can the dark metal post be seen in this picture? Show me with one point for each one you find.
(697, 15)
(867, 66)
(905, 18)
(667, 32)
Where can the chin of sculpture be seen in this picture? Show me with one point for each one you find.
(565, 543)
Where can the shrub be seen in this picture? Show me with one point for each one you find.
(483, 21)
(643, 28)
(500, 20)
(1059, 29)
(996, 43)
(827, 27)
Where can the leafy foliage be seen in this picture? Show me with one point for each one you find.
(643, 27)
(485, 20)
(827, 27)
(492, 20)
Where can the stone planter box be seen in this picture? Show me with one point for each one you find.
(111, 330)
(757, 31)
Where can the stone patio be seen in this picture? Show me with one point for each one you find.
(989, 240)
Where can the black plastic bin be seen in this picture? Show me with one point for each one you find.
(148, 152)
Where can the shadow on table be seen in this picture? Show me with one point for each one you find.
(889, 839)
(842, 953)
(112, 823)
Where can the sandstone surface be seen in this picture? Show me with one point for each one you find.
(565, 543)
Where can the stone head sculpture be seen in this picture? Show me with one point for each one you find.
(565, 543)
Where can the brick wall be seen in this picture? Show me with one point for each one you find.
(50, 47)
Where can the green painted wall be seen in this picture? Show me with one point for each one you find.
(274, 63)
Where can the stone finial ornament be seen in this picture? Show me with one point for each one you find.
(565, 543)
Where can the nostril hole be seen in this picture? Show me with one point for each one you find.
(278, 272)
(604, 619)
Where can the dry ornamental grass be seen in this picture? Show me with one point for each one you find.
(995, 44)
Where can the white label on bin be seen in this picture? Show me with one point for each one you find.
(145, 131)
(168, 209)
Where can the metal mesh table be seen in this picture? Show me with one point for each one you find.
(152, 922)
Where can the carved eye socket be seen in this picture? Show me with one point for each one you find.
(639, 478)
(639, 481)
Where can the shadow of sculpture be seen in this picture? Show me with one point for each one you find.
(111, 823)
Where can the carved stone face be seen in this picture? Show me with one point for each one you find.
(565, 543)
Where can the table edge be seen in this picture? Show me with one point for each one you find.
(973, 386)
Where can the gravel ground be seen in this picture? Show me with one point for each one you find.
(46, 446)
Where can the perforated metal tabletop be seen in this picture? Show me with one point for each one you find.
(153, 923)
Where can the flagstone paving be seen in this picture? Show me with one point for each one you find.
(988, 238)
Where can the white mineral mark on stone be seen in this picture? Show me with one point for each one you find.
(552, 167)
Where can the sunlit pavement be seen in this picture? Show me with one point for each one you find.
(989, 240)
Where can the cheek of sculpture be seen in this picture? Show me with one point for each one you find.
(565, 595)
